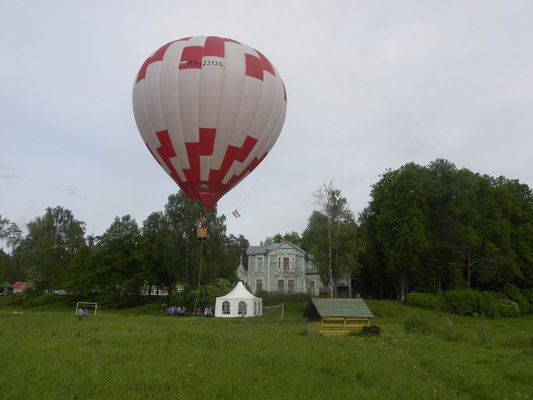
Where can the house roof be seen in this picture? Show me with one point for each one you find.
(6, 284)
(238, 292)
(20, 285)
(241, 270)
(272, 246)
(261, 249)
(338, 308)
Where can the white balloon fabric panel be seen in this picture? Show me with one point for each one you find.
(209, 110)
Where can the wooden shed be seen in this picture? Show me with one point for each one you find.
(336, 317)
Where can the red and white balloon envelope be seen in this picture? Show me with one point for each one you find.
(209, 110)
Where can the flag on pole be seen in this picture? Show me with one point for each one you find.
(236, 213)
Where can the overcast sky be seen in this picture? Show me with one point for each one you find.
(371, 85)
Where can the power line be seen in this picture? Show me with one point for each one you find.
(49, 248)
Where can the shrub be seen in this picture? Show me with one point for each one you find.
(176, 299)
(17, 299)
(528, 295)
(462, 302)
(132, 300)
(43, 299)
(514, 294)
(36, 299)
(425, 300)
(509, 308)
(206, 296)
(488, 305)
(470, 302)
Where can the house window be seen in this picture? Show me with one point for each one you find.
(311, 287)
(281, 285)
(311, 267)
(286, 263)
(258, 285)
(225, 307)
(291, 286)
(259, 264)
(242, 308)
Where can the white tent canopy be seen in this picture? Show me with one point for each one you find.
(238, 303)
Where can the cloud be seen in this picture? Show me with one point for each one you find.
(371, 86)
(9, 174)
(70, 190)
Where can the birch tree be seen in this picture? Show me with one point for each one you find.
(331, 235)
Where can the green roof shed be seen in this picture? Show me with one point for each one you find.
(334, 317)
(6, 287)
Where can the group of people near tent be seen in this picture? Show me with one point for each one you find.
(239, 302)
(179, 311)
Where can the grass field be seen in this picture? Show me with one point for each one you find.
(141, 354)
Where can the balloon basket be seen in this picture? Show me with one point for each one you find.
(201, 233)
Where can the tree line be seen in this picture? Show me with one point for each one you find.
(435, 228)
(431, 229)
(127, 259)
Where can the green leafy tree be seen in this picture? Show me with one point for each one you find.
(452, 220)
(237, 246)
(182, 214)
(13, 236)
(155, 244)
(377, 282)
(331, 236)
(51, 243)
(514, 202)
(315, 240)
(85, 277)
(118, 256)
(193, 260)
(4, 261)
(292, 237)
(400, 209)
(437, 227)
(4, 223)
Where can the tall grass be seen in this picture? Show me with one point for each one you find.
(141, 354)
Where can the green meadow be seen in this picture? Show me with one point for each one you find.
(141, 354)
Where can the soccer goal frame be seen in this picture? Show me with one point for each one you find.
(86, 304)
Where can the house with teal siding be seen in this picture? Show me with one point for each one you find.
(282, 267)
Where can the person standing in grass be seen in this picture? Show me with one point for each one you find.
(81, 314)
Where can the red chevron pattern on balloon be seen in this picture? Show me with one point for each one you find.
(209, 110)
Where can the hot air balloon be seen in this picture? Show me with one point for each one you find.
(209, 110)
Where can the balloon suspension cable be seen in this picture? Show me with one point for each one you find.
(252, 189)
(199, 278)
